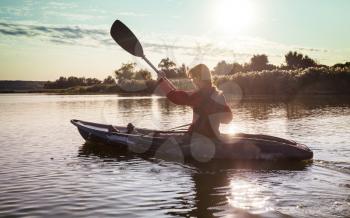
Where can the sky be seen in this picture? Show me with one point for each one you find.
(45, 39)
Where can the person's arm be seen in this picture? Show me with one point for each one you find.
(176, 96)
(180, 97)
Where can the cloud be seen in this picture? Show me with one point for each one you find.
(310, 49)
(57, 34)
(201, 47)
(14, 32)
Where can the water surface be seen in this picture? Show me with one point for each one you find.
(46, 170)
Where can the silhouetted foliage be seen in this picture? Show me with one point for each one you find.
(259, 62)
(171, 71)
(92, 81)
(168, 67)
(143, 75)
(182, 71)
(222, 68)
(236, 67)
(313, 80)
(126, 71)
(296, 60)
(109, 80)
(301, 75)
(63, 82)
(347, 64)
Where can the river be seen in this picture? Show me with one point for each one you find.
(47, 171)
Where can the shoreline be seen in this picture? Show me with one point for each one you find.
(313, 81)
(227, 95)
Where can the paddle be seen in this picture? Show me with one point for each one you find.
(128, 41)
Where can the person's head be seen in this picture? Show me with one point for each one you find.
(200, 76)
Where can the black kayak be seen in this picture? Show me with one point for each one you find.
(183, 146)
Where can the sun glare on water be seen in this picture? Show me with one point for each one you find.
(232, 128)
(249, 195)
(233, 16)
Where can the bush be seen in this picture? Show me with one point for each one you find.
(109, 80)
(290, 82)
(63, 82)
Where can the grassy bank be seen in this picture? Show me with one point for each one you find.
(287, 82)
(277, 82)
(310, 81)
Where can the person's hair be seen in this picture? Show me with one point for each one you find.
(201, 72)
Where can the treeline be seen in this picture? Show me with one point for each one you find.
(259, 62)
(128, 71)
(72, 81)
(312, 80)
(298, 74)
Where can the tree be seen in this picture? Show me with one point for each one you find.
(296, 60)
(126, 71)
(259, 62)
(308, 62)
(222, 68)
(293, 59)
(61, 82)
(143, 75)
(168, 67)
(109, 80)
(74, 81)
(347, 64)
(236, 67)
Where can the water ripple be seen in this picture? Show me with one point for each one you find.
(47, 171)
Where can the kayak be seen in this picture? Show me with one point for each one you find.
(179, 145)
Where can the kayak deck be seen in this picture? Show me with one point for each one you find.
(180, 145)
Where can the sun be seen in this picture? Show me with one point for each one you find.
(233, 16)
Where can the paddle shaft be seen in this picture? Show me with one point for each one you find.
(156, 70)
(150, 64)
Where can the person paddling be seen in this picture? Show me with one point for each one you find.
(208, 103)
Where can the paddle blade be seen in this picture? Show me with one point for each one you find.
(126, 39)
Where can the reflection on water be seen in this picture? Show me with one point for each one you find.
(232, 128)
(248, 195)
(47, 171)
